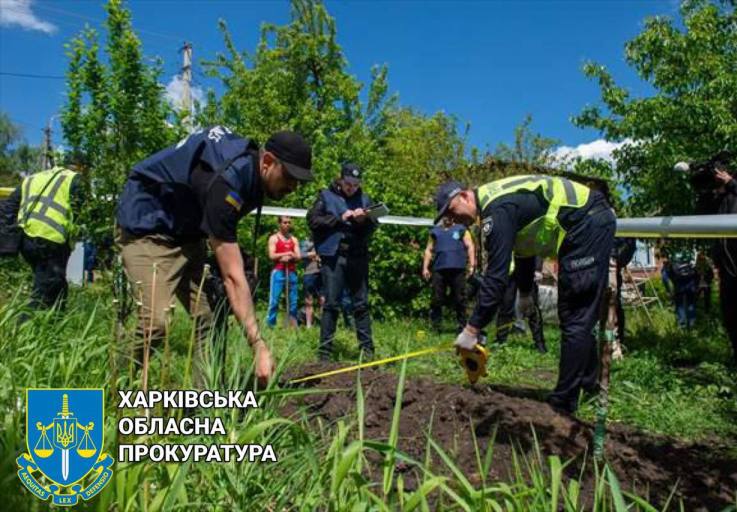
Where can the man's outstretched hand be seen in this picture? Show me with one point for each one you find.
(264, 363)
(468, 338)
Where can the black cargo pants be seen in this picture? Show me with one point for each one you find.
(339, 272)
(48, 261)
(442, 280)
(583, 275)
(728, 300)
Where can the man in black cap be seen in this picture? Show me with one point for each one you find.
(199, 189)
(546, 216)
(341, 229)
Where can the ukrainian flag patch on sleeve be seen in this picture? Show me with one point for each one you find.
(234, 200)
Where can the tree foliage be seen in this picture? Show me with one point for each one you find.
(115, 111)
(16, 156)
(297, 78)
(691, 63)
(530, 148)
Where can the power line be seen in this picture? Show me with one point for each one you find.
(99, 20)
(31, 75)
(53, 18)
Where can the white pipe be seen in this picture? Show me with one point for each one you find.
(690, 226)
(687, 226)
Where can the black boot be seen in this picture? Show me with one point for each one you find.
(367, 354)
(565, 407)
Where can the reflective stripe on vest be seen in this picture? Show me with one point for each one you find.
(45, 206)
(544, 235)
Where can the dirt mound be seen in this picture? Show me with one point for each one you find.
(647, 464)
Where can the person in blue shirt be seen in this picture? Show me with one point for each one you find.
(90, 261)
(680, 281)
(450, 251)
(194, 191)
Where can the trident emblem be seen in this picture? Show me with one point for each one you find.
(64, 429)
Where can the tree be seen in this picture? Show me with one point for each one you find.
(529, 148)
(16, 156)
(297, 78)
(691, 64)
(417, 153)
(531, 153)
(115, 112)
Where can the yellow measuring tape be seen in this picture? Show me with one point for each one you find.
(355, 367)
(465, 357)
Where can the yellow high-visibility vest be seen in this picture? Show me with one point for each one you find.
(45, 207)
(544, 235)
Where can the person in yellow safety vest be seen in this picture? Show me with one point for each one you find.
(542, 216)
(46, 203)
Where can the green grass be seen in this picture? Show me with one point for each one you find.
(669, 382)
(323, 467)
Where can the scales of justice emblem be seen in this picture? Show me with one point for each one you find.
(65, 429)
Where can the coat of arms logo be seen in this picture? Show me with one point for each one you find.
(64, 438)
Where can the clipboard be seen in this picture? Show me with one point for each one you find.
(376, 210)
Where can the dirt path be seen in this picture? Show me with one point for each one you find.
(647, 464)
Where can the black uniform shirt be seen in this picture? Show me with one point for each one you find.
(222, 206)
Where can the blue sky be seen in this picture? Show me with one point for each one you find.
(487, 62)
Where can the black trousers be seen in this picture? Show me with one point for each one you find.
(706, 292)
(728, 300)
(48, 261)
(583, 276)
(339, 272)
(442, 280)
(507, 314)
(619, 305)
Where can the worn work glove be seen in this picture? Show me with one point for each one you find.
(526, 304)
(466, 340)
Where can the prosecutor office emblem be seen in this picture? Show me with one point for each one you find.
(64, 439)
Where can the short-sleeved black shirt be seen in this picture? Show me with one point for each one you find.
(222, 206)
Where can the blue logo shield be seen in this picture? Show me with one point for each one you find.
(64, 437)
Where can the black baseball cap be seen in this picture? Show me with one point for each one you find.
(75, 157)
(351, 172)
(446, 192)
(294, 152)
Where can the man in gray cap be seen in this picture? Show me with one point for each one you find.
(547, 216)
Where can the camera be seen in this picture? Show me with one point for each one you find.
(702, 174)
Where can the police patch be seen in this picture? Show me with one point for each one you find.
(488, 225)
(234, 200)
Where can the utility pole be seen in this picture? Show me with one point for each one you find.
(187, 83)
(46, 157)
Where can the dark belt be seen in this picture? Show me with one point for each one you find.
(345, 249)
